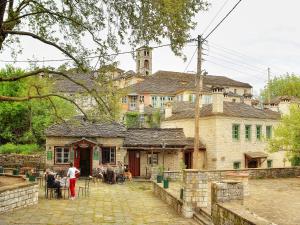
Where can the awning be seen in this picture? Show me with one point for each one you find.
(256, 155)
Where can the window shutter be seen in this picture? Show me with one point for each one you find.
(71, 154)
(96, 154)
(49, 155)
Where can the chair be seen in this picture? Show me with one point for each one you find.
(65, 189)
(49, 192)
(86, 188)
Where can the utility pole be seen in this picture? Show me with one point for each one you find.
(269, 80)
(199, 84)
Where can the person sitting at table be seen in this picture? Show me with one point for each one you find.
(52, 183)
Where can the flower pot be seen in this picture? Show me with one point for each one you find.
(159, 178)
(15, 172)
(32, 178)
(181, 193)
(166, 183)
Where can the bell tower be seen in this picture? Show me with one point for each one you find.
(144, 61)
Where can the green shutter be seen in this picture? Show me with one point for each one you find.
(96, 155)
(49, 155)
(72, 154)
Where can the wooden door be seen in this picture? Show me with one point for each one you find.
(188, 159)
(85, 162)
(134, 163)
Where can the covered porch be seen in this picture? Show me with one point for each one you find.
(255, 159)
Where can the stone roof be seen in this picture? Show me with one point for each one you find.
(230, 109)
(64, 85)
(277, 100)
(168, 82)
(137, 137)
(80, 128)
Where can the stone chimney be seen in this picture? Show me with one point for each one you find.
(168, 110)
(217, 99)
(248, 99)
(284, 105)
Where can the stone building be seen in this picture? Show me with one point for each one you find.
(90, 144)
(234, 133)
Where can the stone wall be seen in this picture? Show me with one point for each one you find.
(173, 175)
(259, 173)
(18, 196)
(167, 197)
(227, 199)
(17, 160)
(195, 191)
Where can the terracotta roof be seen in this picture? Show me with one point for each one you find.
(80, 128)
(277, 100)
(155, 137)
(255, 155)
(168, 82)
(231, 109)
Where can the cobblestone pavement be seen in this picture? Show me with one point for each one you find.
(131, 203)
(277, 200)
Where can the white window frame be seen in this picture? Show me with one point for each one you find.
(62, 157)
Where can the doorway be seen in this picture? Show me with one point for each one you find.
(85, 162)
(188, 159)
(253, 163)
(134, 163)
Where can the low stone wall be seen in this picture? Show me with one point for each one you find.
(17, 160)
(167, 197)
(259, 173)
(18, 195)
(227, 199)
(173, 175)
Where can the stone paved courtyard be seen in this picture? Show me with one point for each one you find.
(131, 203)
(277, 200)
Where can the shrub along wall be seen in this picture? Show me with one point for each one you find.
(17, 160)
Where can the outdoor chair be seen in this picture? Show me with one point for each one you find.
(65, 190)
(86, 188)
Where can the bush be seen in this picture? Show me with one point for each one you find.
(25, 149)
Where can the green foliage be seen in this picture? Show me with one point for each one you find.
(132, 119)
(283, 86)
(20, 149)
(25, 122)
(153, 120)
(295, 160)
(287, 134)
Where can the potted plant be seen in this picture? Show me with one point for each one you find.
(160, 174)
(166, 183)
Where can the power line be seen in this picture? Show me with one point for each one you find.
(190, 60)
(213, 19)
(222, 20)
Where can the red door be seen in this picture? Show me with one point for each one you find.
(134, 163)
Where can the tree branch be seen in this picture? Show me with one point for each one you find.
(27, 98)
(2, 10)
(24, 33)
(45, 71)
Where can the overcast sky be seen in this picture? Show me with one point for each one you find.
(257, 35)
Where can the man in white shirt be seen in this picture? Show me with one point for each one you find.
(72, 174)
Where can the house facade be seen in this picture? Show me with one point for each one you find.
(234, 133)
(90, 145)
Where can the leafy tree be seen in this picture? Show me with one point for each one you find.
(132, 119)
(287, 134)
(69, 25)
(24, 122)
(283, 86)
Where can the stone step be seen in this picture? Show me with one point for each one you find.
(203, 213)
(201, 220)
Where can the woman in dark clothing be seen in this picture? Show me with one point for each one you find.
(52, 183)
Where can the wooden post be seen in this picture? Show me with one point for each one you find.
(199, 84)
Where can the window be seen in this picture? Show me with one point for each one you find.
(207, 99)
(108, 155)
(124, 100)
(155, 159)
(248, 132)
(236, 165)
(162, 101)
(170, 98)
(62, 155)
(269, 132)
(142, 98)
(233, 100)
(146, 64)
(132, 102)
(235, 131)
(270, 163)
(258, 132)
(154, 100)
